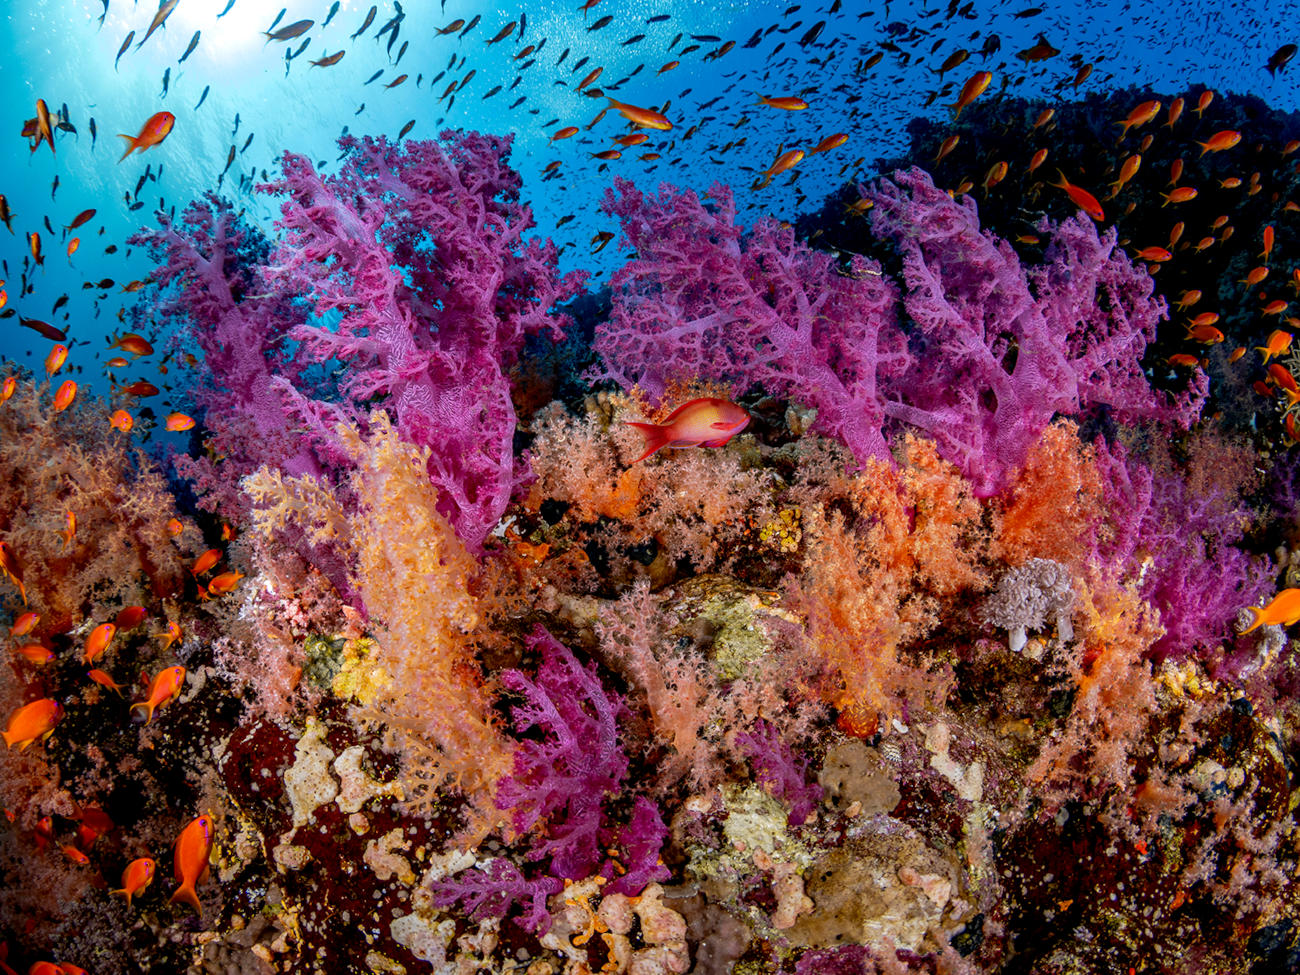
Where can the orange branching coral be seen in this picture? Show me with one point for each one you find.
(1115, 697)
(1053, 506)
(414, 575)
(948, 537)
(55, 463)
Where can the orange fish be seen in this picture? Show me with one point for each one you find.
(136, 345)
(787, 160)
(121, 420)
(174, 526)
(34, 245)
(787, 102)
(136, 877)
(1139, 117)
(1183, 359)
(1282, 610)
(1219, 221)
(970, 91)
(140, 387)
(564, 133)
(1268, 243)
(117, 362)
(54, 361)
(9, 564)
(1291, 147)
(945, 147)
(73, 245)
(1175, 172)
(171, 635)
(206, 561)
(829, 143)
(1224, 139)
(1203, 102)
(1255, 276)
(1237, 353)
(103, 679)
(10, 385)
(193, 847)
(1205, 334)
(1275, 307)
(25, 623)
(1179, 194)
(151, 133)
(1084, 200)
(1036, 160)
(644, 117)
(1230, 183)
(1278, 342)
(1044, 117)
(35, 654)
(67, 392)
(44, 126)
(70, 528)
(179, 422)
(703, 422)
(1279, 374)
(668, 67)
(1175, 112)
(75, 855)
(98, 641)
(1126, 172)
(32, 721)
(997, 172)
(1204, 318)
(1175, 234)
(224, 583)
(166, 686)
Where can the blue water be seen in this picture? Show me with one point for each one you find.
(58, 51)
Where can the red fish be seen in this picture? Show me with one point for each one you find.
(67, 392)
(970, 91)
(98, 641)
(151, 133)
(1084, 200)
(1225, 139)
(703, 422)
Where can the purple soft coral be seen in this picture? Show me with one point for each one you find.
(1004, 350)
(704, 300)
(490, 892)
(414, 263)
(641, 841)
(779, 770)
(563, 780)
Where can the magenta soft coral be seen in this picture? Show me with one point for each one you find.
(1003, 349)
(705, 299)
(561, 782)
(414, 263)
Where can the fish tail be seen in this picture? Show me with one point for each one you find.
(148, 709)
(9, 741)
(1259, 619)
(125, 893)
(131, 145)
(1267, 353)
(187, 894)
(654, 435)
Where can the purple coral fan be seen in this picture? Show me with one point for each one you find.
(562, 780)
(641, 841)
(409, 274)
(704, 299)
(1003, 349)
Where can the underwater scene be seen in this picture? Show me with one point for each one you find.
(644, 487)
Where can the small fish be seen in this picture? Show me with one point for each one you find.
(194, 42)
(123, 49)
(1280, 58)
(634, 39)
(787, 103)
(406, 129)
(9, 565)
(334, 8)
(153, 132)
(98, 641)
(470, 26)
(166, 82)
(179, 422)
(223, 13)
(25, 623)
(503, 33)
(139, 873)
(296, 29)
(93, 133)
(64, 396)
(1224, 139)
(193, 847)
(223, 583)
(31, 722)
(372, 77)
(36, 654)
(703, 422)
(365, 24)
(129, 342)
(332, 59)
(603, 22)
(121, 420)
(58, 355)
(1282, 610)
(203, 97)
(165, 8)
(1179, 194)
(1084, 200)
(970, 91)
(164, 688)
(645, 117)
(1039, 52)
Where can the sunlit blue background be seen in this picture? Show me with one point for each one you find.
(57, 50)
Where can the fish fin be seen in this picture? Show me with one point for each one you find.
(654, 435)
(187, 894)
(1259, 619)
(147, 707)
(131, 144)
(9, 742)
